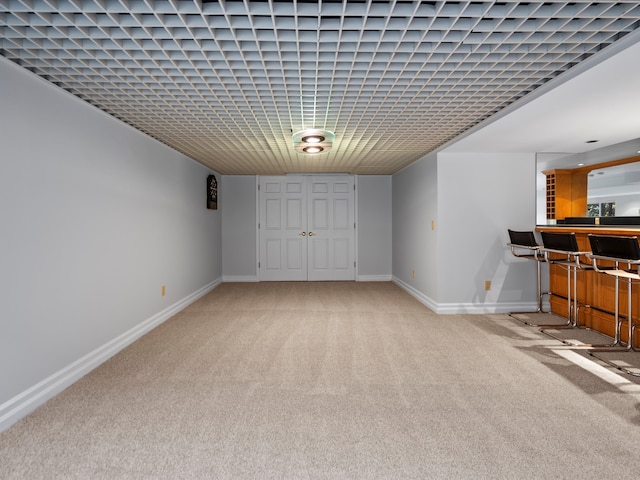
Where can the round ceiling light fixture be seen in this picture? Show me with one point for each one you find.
(313, 141)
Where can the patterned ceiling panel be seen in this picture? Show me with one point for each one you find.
(227, 83)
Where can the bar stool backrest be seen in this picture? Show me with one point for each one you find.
(526, 239)
(565, 242)
(624, 248)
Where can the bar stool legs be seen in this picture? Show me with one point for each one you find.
(617, 344)
(617, 250)
(561, 249)
(523, 245)
(540, 295)
(572, 306)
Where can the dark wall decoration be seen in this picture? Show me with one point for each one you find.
(601, 209)
(608, 209)
(212, 193)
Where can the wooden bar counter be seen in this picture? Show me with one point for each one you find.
(596, 291)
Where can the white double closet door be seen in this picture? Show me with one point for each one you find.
(307, 228)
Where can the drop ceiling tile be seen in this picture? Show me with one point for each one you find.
(368, 70)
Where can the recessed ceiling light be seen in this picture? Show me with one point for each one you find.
(581, 164)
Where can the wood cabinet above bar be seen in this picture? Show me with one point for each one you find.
(566, 194)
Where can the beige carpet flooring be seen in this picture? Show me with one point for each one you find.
(330, 381)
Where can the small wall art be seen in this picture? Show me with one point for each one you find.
(608, 209)
(212, 193)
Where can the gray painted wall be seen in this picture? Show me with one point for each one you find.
(415, 207)
(474, 199)
(239, 224)
(480, 196)
(374, 197)
(95, 218)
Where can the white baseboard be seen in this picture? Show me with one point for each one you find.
(239, 278)
(254, 278)
(485, 308)
(418, 295)
(24, 403)
(374, 278)
(473, 308)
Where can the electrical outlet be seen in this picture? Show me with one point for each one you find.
(487, 284)
(413, 274)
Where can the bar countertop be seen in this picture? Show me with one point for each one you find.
(599, 229)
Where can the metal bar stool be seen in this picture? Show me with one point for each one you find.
(562, 249)
(617, 250)
(524, 245)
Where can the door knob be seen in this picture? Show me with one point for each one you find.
(311, 234)
(302, 234)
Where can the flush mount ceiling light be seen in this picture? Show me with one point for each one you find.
(313, 141)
